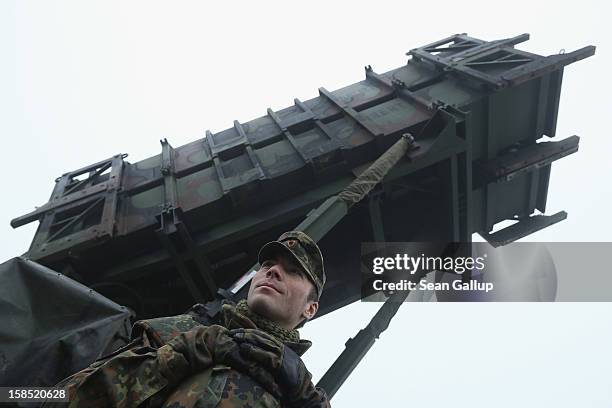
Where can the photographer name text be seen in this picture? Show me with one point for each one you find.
(458, 284)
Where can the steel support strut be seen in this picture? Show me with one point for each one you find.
(358, 346)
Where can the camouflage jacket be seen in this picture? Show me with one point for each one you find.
(150, 372)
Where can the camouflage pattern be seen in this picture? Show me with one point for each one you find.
(284, 364)
(305, 251)
(178, 362)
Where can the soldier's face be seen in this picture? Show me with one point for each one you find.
(279, 291)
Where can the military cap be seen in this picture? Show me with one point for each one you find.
(304, 250)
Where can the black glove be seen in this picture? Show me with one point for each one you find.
(284, 364)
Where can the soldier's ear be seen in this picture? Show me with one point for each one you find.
(311, 309)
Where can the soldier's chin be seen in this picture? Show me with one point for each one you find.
(264, 305)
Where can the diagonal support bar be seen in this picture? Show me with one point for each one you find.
(358, 346)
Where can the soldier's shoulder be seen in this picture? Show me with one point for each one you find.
(156, 332)
(160, 330)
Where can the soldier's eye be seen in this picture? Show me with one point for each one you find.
(267, 264)
(294, 270)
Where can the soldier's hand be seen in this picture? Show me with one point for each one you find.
(227, 352)
(284, 364)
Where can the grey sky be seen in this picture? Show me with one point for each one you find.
(81, 81)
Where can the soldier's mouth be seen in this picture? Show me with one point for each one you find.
(269, 285)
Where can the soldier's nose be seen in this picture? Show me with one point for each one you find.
(273, 272)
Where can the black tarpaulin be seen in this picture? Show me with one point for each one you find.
(52, 326)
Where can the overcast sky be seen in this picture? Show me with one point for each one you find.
(81, 81)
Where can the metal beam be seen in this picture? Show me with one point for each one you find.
(350, 112)
(398, 88)
(288, 136)
(357, 347)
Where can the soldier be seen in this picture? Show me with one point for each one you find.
(249, 358)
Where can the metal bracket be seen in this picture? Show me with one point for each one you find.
(399, 88)
(352, 113)
(235, 186)
(191, 265)
(525, 160)
(170, 204)
(303, 155)
(317, 161)
(522, 228)
(176, 238)
(81, 210)
(469, 61)
(69, 188)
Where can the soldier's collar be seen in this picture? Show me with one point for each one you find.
(240, 316)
